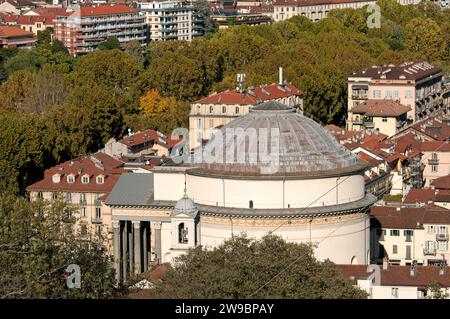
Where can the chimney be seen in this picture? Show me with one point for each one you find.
(442, 269)
(280, 76)
(385, 263)
(413, 270)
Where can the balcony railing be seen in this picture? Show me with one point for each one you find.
(433, 161)
(360, 96)
(96, 220)
(408, 238)
(369, 124)
(442, 237)
(429, 251)
(83, 201)
(97, 202)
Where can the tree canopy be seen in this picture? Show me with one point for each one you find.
(242, 268)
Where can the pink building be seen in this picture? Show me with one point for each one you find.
(417, 85)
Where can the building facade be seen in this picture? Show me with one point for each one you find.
(314, 10)
(87, 27)
(416, 85)
(171, 20)
(221, 108)
(386, 116)
(435, 159)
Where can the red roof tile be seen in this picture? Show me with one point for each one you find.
(103, 10)
(12, 32)
(441, 182)
(420, 195)
(435, 146)
(400, 275)
(381, 108)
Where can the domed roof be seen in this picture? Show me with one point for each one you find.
(274, 139)
(184, 205)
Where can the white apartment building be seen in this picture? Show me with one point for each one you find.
(171, 20)
(314, 10)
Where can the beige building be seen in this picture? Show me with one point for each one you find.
(82, 182)
(416, 85)
(219, 109)
(397, 282)
(387, 116)
(313, 10)
(436, 160)
(311, 190)
(407, 235)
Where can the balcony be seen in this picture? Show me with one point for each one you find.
(360, 96)
(97, 202)
(442, 237)
(369, 125)
(429, 251)
(433, 161)
(96, 220)
(83, 201)
(357, 122)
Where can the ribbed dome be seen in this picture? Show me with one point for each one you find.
(301, 147)
(186, 206)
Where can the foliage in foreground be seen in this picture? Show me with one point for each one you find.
(246, 268)
(37, 244)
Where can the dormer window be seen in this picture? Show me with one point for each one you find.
(56, 178)
(100, 179)
(70, 179)
(85, 179)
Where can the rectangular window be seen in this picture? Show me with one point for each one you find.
(237, 110)
(431, 229)
(395, 232)
(384, 119)
(443, 245)
(83, 211)
(224, 109)
(394, 292)
(211, 109)
(69, 197)
(408, 252)
(98, 212)
(434, 168)
(377, 94)
(394, 249)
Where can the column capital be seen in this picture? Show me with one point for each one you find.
(116, 223)
(156, 225)
(136, 223)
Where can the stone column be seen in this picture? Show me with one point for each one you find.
(131, 250)
(157, 227)
(137, 246)
(145, 245)
(124, 251)
(116, 244)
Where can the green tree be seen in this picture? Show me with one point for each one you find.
(435, 292)
(109, 44)
(203, 10)
(424, 38)
(26, 152)
(38, 241)
(242, 268)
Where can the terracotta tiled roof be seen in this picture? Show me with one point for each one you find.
(381, 108)
(8, 18)
(441, 182)
(12, 32)
(103, 10)
(252, 95)
(143, 137)
(98, 164)
(435, 146)
(408, 217)
(405, 71)
(420, 195)
(400, 275)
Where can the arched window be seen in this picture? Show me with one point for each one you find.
(182, 234)
(250, 204)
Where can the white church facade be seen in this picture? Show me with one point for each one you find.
(314, 195)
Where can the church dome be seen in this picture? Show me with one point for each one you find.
(297, 146)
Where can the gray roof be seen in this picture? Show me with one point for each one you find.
(302, 146)
(132, 189)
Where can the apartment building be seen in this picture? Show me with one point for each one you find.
(416, 85)
(436, 160)
(221, 108)
(387, 116)
(82, 182)
(171, 20)
(12, 37)
(397, 282)
(314, 10)
(87, 27)
(408, 235)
